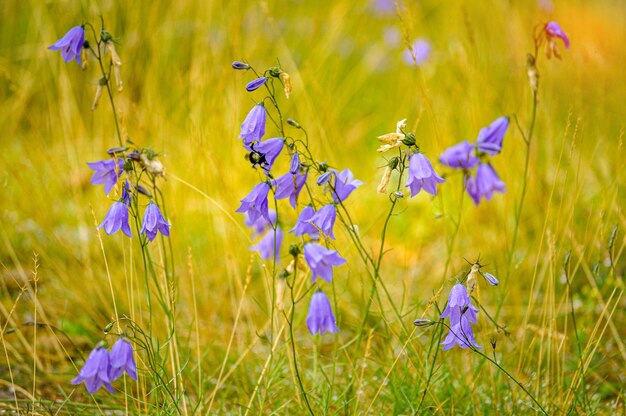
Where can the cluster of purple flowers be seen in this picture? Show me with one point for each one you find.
(312, 224)
(103, 367)
(467, 156)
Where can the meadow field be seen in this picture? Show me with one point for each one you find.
(220, 325)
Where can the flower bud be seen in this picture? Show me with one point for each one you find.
(105, 36)
(293, 123)
(240, 65)
(143, 190)
(324, 178)
(107, 328)
(275, 71)
(294, 250)
(423, 323)
(255, 84)
(295, 163)
(118, 149)
(491, 279)
(409, 139)
(399, 194)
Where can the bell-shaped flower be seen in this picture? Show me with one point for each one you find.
(267, 151)
(107, 172)
(261, 224)
(321, 261)
(320, 318)
(324, 220)
(153, 222)
(116, 219)
(121, 360)
(253, 127)
(271, 242)
(490, 138)
(289, 186)
(460, 155)
(344, 185)
(255, 203)
(484, 184)
(303, 224)
(422, 175)
(95, 371)
(460, 312)
(71, 44)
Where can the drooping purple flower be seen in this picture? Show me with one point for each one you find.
(324, 220)
(490, 138)
(460, 155)
(71, 44)
(261, 224)
(116, 219)
(121, 360)
(320, 318)
(460, 312)
(422, 175)
(420, 49)
(255, 203)
(266, 152)
(240, 65)
(289, 186)
(253, 127)
(255, 84)
(303, 224)
(484, 184)
(153, 222)
(324, 178)
(553, 30)
(95, 371)
(321, 261)
(294, 165)
(265, 247)
(344, 184)
(106, 173)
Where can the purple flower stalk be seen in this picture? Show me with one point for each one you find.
(289, 186)
(484, 184)
(95, 371)
(460, 155)
(116, 219)
(71, 44)
(324, 220)
(153, 222)
(461, 313)
(420, 49)
(253, 127)
(303, 224)
(261, 224)
(106, 173)
(422, 175)
(267, 151)
(321, 261)
(320, 318)
(255, 203)
(255, 84)
(490, 138)
(121, 360)
(344, 185)
(265, 247)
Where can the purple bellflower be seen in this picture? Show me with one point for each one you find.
(265, 153)
(484, 184)
(294, 165)
(256, 84)
(490, 138)
(265, 247)
(460, 155)
(95, 371)
(153, 222)
(554, 31)
(71, 44)
(324, 178)
(344, 185)
(255, 203)
(321, 261)
(253, 127)
(303, 224)
(240, 65)
(116, 219)
(419, 53)
(289, 186)
(320, 318)
(261, 224)
(422, 175)
(461, 313)
(324, 220)
(106, 173)
(121, 360)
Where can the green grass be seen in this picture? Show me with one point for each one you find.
(561, 286)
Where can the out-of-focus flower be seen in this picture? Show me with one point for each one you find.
(265, 247)
(418, 53)
(344, 185)
(460, 155)
(253, 127)
(484, 184)
(71, 44)
(490, 138)
(422, 175)
(116, 219)
(240, 65)
(153, 222)
(265, 153)
(255, 84)
(321, 261)
(261, 224)
(121, 360)
(460, 313)
(303, 224)
(255, 203)
(106, 173)
(320, 318)
(324, 219)
(554, 31)
(289, 186)
(95, 371)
